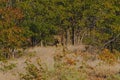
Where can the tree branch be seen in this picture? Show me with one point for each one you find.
(111, 40)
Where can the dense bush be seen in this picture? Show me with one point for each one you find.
(107, 56)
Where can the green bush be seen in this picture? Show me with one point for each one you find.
(7, 67)
(114, 77)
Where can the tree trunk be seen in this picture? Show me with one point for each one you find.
(63, 39)
(78, 37)
(68, 36)
(73, 36)
(41, 43)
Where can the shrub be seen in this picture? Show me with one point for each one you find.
(64, 69)
(117, 54)
(7, 67)
(33, 72)
(107, 57)
(61, 72)
(114, 77)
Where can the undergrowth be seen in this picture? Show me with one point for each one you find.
(64, 69)
(6, 67)
(108, 57)
(67, 67)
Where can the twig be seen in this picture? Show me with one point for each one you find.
(112, 40)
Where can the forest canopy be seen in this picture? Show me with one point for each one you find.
(26, 23)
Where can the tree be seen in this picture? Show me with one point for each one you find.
(12, 36)
(39, 19)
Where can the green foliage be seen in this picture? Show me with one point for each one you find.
(33, 72)
(39, 19)
(114, 77)
(6, 67)
(92, 22)
(12, 35)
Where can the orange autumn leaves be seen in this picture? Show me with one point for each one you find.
(12, 37)
(107, 56)
(9, 16)
(11, 33)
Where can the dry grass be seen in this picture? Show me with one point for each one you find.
(88, 64)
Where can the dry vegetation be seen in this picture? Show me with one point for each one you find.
(51, 63)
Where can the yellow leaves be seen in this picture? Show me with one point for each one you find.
(70, 61)
(1, 11)
(4, 1)
(12, 36)
(107, 56)
(108, 4)
(116, 29)
(10, 14)
(17, 13)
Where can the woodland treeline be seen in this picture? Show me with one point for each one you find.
(25, 23)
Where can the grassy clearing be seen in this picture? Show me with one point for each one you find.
(75, 66)
(52, 63)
